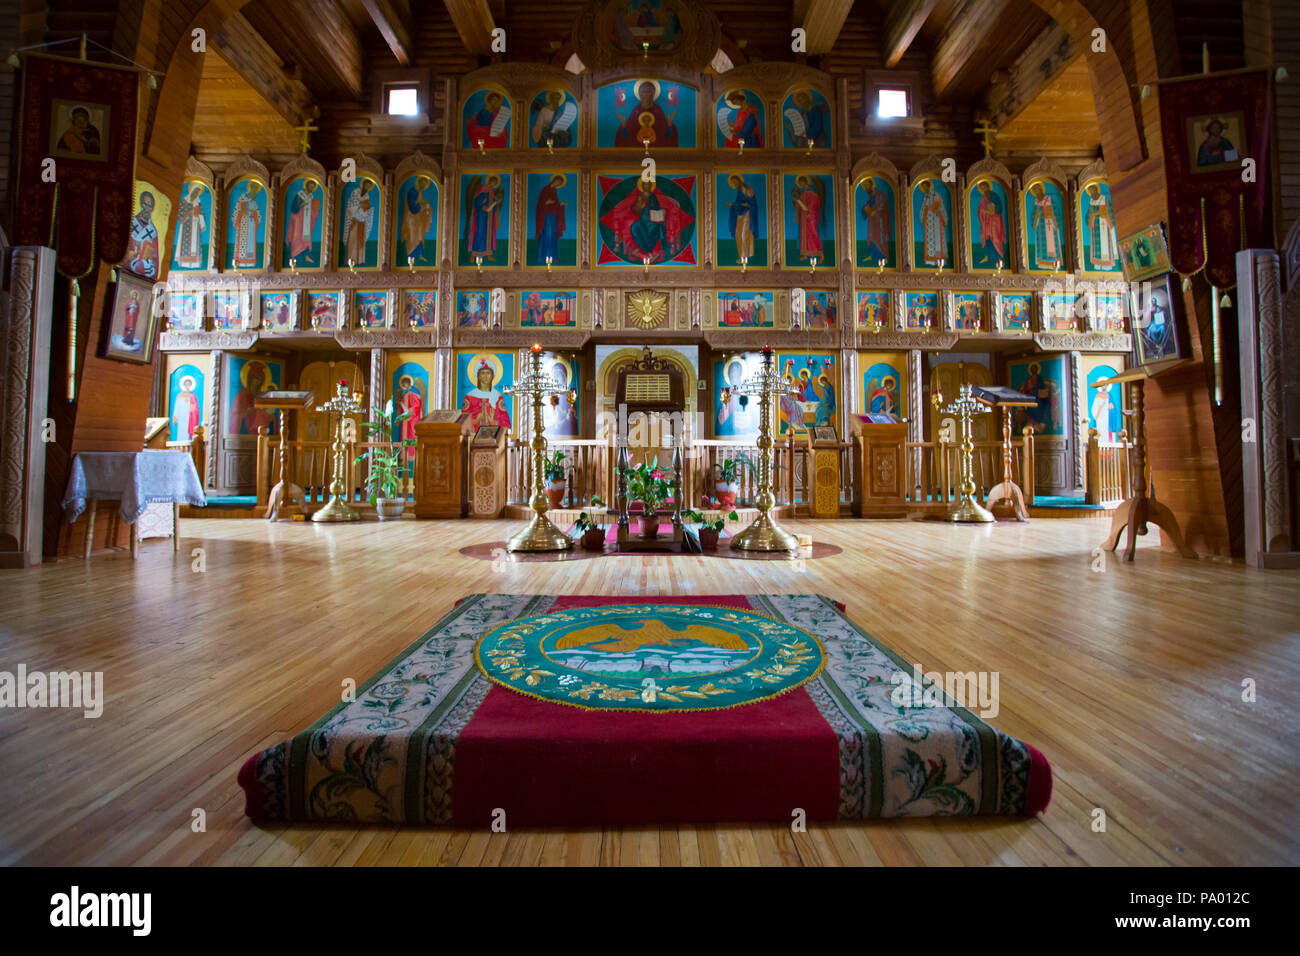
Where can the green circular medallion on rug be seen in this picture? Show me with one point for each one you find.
(649, 658)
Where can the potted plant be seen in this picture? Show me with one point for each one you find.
(388, 461)
(709, 530)
(590, 527)
(727, 486)
(646, 484)
(553, 471)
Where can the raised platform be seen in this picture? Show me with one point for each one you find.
(432, 739)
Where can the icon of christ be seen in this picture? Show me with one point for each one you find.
(648, 224)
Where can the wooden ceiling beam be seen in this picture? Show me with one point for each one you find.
(393, 18)
(978, 39)
(474, 22)
(902, 23)
(822, 22)
(249, 55)
(1046, 57)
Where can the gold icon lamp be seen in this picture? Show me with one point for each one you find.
(764, 534)
(967, 509)
(337, 508)
(540, 534)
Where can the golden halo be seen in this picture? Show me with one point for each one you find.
(735, 361)
(243, 373)
(636, 88)
(735, 180)
(735, 98)
(192, 383)
(562, 94)
(498, 370)
(561, 177)
(405, 382)
(422, 182)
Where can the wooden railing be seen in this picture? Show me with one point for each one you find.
(197, 449)
(1108, 476)
(934, 469)
(588, 470)
(310, 465)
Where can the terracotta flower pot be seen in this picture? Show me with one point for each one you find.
(555, 491)
(727, 492)
(593, 539)
(709, 539)
(648, 525)
(389, 508)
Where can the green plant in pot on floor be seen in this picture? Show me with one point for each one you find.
(709, 530)
(590, 527)
(388, 460)
(554, 472)
(647, 484)
(727, 485)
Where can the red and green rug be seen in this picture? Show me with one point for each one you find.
(583, 711)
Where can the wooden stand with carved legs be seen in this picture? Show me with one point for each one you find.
(1137, 512)
(285, 491)
(1006, 500)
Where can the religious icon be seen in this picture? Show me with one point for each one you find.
(735, 415)
(246, 233)
(302, 224)
(1039, 377)
(646, 25)
(1014, 311)
(641, 220)
(1104, 411)
(932, 224)
(79, 130)
(873, 202)
(560, 416)
(551, 197)
(554, 122)
(370, 309)
(193, 221)
(809, 219)
(185, 311)
(148, 225)
(410, 394)
(1060, 312)
(819, 310)
(547, 309)
(646, 113)
(968, 311)
(472, 308)
(417, 222)
(1044, 209)
(229, 309)
(882, 389)
(279, 311)
(806, 120)
(1098, 247)
(1146, 253)
(1107, 310)
(419, 308)
(920, 310)
(323, 309)
(360, 215)
(485, 219)
(989, 232)
(184, 405)
(132, 326)
(873, 310)
(741, 215)
(749, 309)
(812, 401)
(740, 120)
(1216, 142)
(254, 375)
(487, 121)
(1155, 323)
(489, 372)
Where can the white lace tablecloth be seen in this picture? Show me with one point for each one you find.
(132, 478)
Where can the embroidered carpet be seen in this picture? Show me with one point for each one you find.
(431, 740)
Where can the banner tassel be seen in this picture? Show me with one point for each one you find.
(74, 293)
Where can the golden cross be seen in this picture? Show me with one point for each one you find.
(988, 133)
(304, 132)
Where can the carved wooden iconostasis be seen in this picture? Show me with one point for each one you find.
(646, 200)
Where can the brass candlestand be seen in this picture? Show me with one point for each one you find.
(967, 509)
(337, 508)
(764, 534)
(540, 534)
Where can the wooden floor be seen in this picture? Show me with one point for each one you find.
(1128, 678)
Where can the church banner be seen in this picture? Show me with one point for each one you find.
(1216, 136)
(82, 117)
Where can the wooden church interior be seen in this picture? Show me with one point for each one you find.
(903, 286)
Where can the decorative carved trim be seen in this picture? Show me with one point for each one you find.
(419, 162)
(877, 165)
(988, 166)
(369, 166)
(225, 339)
(194, 169)
(700, 37)
(302, 165)
(1094, 170)
(1078, 415)
(1084, 341)
(354, 339)
(214, 419)
(926, 341)
(245, 165)
(930, 166)
(1045, 168)
(1272, 414)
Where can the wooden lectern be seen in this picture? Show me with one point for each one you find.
(488, 471)
(285, 491)
(823, 492)
(440, 463)
(881, 472)
(1006, 500)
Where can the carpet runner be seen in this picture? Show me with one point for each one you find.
(431, 739)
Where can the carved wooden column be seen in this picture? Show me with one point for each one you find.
(26, 322)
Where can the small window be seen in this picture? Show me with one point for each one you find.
(402, 101)
(891, 103)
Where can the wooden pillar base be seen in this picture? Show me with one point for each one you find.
(285, 493)
(1006, 500)
(1134, 515)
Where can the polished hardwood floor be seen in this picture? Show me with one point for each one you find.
(1129, 678)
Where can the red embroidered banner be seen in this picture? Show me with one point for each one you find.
(81, 115)
(1210, 125)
